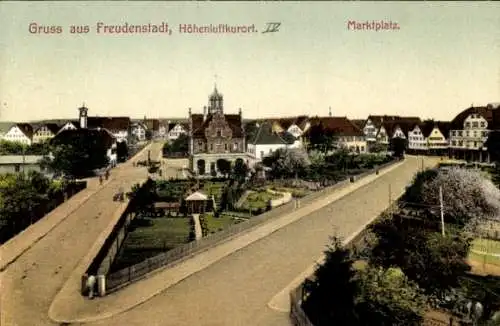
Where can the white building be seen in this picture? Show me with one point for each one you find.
(139, 131)
(267, 141)
(45, 132)
(417, 141)
(20, 133)
(19, 163)
(175, 130)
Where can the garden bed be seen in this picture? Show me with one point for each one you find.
(213, 224)
(149, 237)
(259, 200)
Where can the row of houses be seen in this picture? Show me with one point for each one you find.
(122, 128)
(463, 137)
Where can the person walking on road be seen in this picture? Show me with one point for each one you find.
(100, 180)
(91, 286)
(107, 174)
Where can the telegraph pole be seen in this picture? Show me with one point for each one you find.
(441, 209)
(390, 201)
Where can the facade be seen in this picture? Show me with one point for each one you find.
(19, 163)
(417, 139)
(176, 129)
(345, 133)
(20, 133)
(215, 135)
(45, 132)
(267, 141)
(138, 130)
(371, 128)
(469, 132)
(437, 139)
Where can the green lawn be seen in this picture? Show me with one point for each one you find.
(259, 199)
(486, 245)
(213, 188)
(216, 224)
(143, 242)
(296, 192)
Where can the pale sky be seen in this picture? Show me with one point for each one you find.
(444, 57)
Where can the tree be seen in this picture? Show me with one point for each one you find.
(434, 262)
(288, 162)
(251, 129)
(179, 145)
(377, 148)
(143, 197)
(79, 152)
(414, 193)
(240, 170)
(11, 148)
(149, 134)
(332, 293)
(320, 138)
(387, 297)
(224, 166)
(468, 196)
(122, 151)
(398, 146)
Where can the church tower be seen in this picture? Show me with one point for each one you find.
(215, 102)
(83, 113)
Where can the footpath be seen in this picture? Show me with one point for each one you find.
(70, 307)
(15, 247)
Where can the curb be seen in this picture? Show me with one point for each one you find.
(5, 265)
(279, 222)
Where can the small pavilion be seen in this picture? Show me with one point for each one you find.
(198, 203)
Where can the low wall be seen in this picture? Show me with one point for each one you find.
(102, 262)
(121, 278)
(285, 198)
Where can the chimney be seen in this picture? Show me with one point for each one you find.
(330, 111)
(239, 111)
(204, 113)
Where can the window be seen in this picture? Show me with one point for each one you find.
(219, 133)
(483, 124)
(235, 146)
(460, 143)
(485, 134)
(475, 124)
(475, 133)
(211, 147)
(467, 133)
(453, 133)
(460, 133)
(17, 168)
(467, 125)
(225, 147)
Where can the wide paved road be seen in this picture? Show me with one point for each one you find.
(30, 283)
(235, 290)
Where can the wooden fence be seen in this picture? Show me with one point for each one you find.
(118, 279)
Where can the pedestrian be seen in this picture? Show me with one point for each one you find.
(100, 180)
(107, 174)
(91, 286)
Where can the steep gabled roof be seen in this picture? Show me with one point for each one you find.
(53, 127)
(197, 195)
(360, 123)
(266, 136)
(26, 128)
(68, 134)
(338, 126)
(199, 125)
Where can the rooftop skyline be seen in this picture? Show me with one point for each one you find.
(443, 58)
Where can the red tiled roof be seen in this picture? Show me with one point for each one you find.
(199, 126)
(338, 126)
